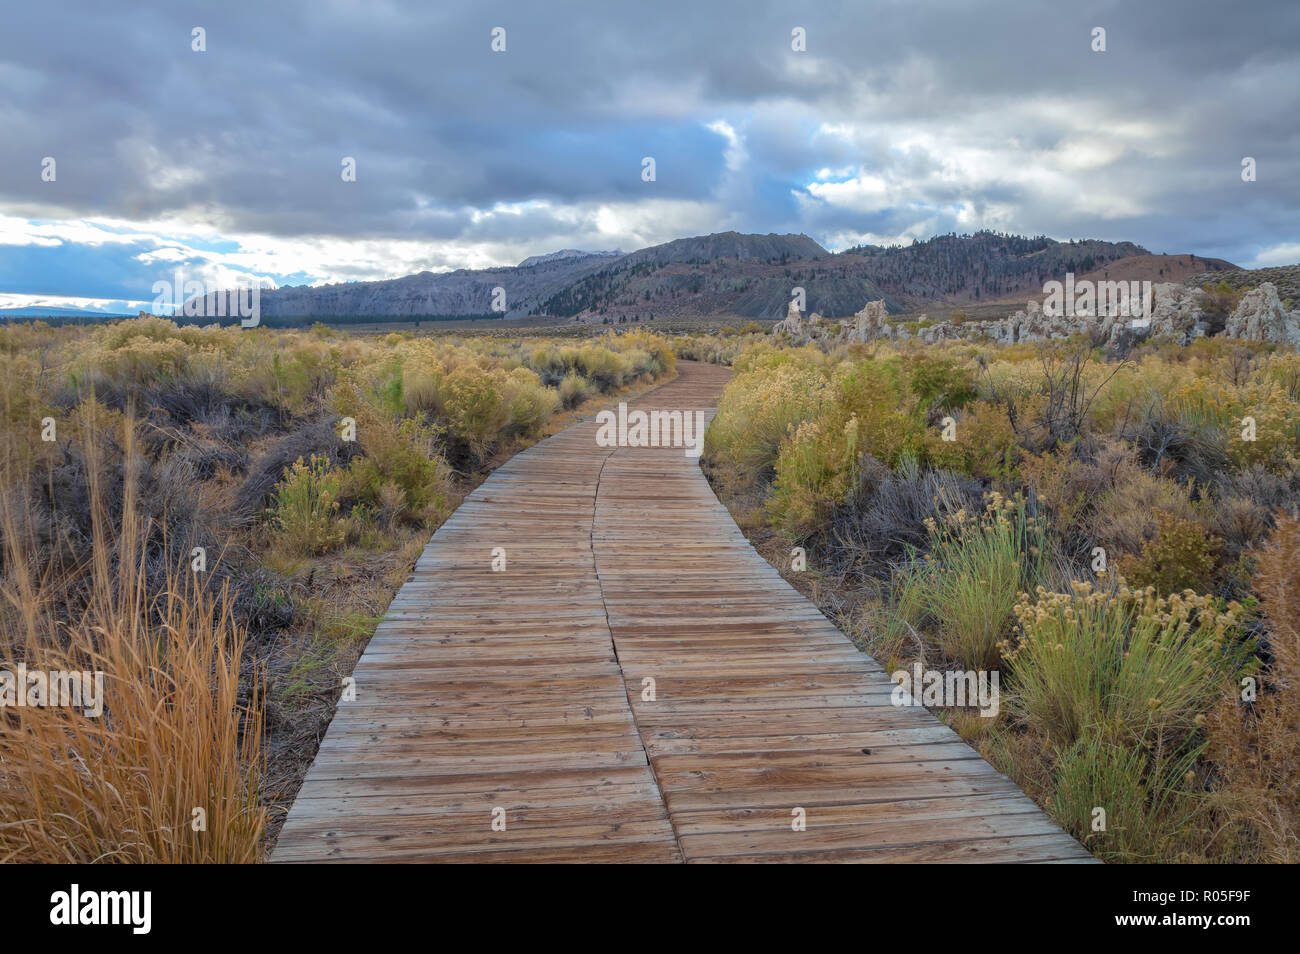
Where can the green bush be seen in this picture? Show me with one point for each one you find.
(1149, 805)
(1142, 666)
(1181, 556)
(574, 389)
(940, 384)
(306, 512)
(977, 567)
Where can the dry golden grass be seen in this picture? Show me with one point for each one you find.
(1256, 749)
(170, 771)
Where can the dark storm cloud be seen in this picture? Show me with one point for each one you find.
(924, 116)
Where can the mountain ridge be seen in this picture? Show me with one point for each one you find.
(729, 273)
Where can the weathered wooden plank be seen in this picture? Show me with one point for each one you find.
(524, 691)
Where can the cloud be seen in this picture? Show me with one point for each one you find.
(900, 120)
(1285, 254)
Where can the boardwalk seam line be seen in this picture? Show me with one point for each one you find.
(640, 735)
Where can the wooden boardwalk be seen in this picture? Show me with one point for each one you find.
(520, 698)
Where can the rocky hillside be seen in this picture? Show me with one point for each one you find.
(562, 254)
(724, 274)
(464, 292)
(670, 281)
(1286, 278)
(734, 274)
(1154, 268)
(986, 266)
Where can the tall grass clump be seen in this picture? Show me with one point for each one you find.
(1150, 805)
(977, 567)
(170, 772)
(1253, 736)
(1131, 662)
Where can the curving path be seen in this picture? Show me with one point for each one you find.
(505, 715)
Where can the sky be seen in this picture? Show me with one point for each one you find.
(896, 121)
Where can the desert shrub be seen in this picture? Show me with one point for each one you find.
(1282, 369)
(1239, 525)
(886, 518)
(1176, 443)
(1055, 406)
(714, 349)
(100, 451)
(1197, 416)
(939, 383)
(573, 389)
(984, 444)
(865, 413)
(1181, 555)
(1255, 746)
(483, 409)
(475, 408)
(401, 470)
(1150, 805)
(312, 438)
(604, 368)
(404, 452)
(306, 513)
(1262, 487)
(1242, 511)
(758, 411)
(977, 567)
(529, 405)
(875, 393)
(1124, 517)
(660, 356)
(1068, 487)
(814, 471)
(1142, 666)
(302, 375)
(1263, 429)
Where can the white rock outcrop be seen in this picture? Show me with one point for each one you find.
(1261, 316)
(792, 324)
(1177, 311)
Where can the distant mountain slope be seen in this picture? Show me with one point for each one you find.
(1285, 277)
(562, 254)
(704, 249)
(462, 292)
(681, 278)
(730, 273)
(1154, 268)
(726, 273)
(986, 266)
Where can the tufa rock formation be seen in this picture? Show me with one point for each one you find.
(1177, 311)
(1260, 316)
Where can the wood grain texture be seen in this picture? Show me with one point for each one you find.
(523, 690)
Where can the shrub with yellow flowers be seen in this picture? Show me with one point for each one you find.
(1126, 661)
